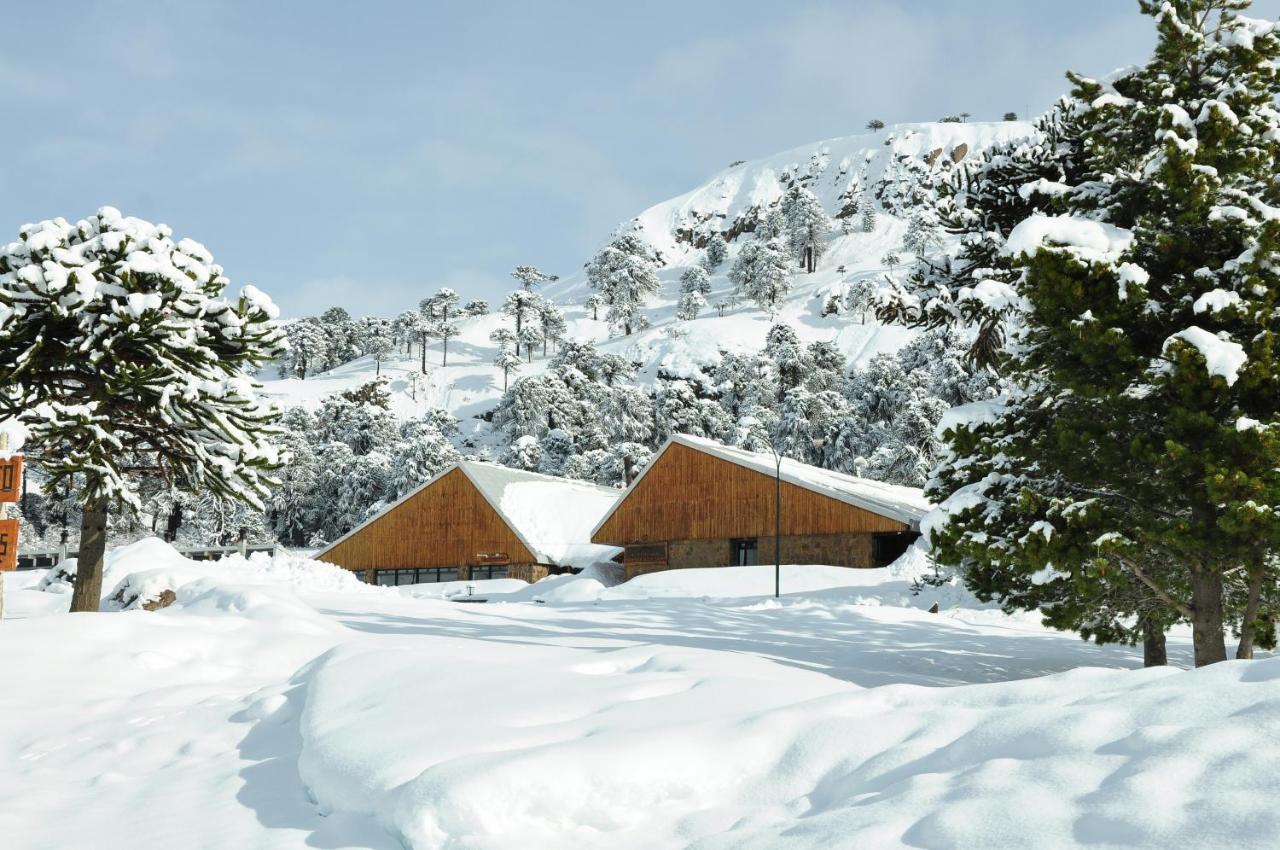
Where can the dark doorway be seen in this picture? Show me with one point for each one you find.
(887, 548)
(744, 552)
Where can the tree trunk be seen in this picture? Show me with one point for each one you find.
(504, 379)
(93, 546)
(422, 347)
(444, 351)
(1245, 649)
(1206, 617)
(173, 524)
(1153, 644)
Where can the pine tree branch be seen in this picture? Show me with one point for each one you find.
(1159, 591)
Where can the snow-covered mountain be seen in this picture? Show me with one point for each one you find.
(879, 169)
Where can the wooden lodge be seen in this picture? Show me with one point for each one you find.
(479, 520)
(702, 504)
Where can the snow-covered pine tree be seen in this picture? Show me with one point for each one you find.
(405, 328)
(477, 307)
(1141, 447)
(444, 311)
(341, 337)
(716, 252)
(307, 348)
(421, 453)
(695, 279)
(690, 305)
(623, 272)
(808, 227)
(981, 202)
(593, 303)
(922, 234)
(772, 225)
(377, 338)
(508, 356)
(553, 326)
(761, 272)
(118, 342)
(530, 337)
(531, 276)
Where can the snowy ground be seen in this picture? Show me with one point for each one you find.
(278, 706)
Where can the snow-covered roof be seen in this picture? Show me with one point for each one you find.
(552, 517)
(904, 504)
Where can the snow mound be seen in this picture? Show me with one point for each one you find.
(151, 574)
(675, 748)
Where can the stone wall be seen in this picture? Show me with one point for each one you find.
(841, 550)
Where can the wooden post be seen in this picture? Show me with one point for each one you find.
(777, 528)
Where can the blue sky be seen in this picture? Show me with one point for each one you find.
(367, 154)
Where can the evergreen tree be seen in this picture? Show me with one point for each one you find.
(875, 125)
(761, 274)
(695, 279)
(690, 304)
(118, 343)
(717, 251)
(443, 309)
(478, 307)
(623, 273)
(807, 227)
(308, 348)
(421, 453)
(553, 326)
(869, 219)
(508, 357)
(531, 276)
(593, 303)
(1138, 447)
(376, 338)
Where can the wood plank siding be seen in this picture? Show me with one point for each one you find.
(689, 495)
(447, 524)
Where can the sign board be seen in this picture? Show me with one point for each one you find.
(11, 479)
(485, 558)
(646, 553)
(8, 544)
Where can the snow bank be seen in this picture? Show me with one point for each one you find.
(150, 574)
(673, 748)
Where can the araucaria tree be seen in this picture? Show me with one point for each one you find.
(624, 274)
(761, 273)
(1135, 471)
(531, 276)
(120, 350)
(807, 226)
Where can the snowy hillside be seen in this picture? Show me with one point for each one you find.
(874, 168)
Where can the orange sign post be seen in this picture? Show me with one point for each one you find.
(8, 544)
(10, 479)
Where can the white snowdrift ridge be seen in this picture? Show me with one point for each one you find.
(272, 707)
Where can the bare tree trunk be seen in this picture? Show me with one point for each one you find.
(173, 523)
(1206, 617)
(1153, 644)
(93, 546)
(1245, 649)
(422, 347)
(444, 351)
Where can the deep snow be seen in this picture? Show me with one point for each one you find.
(275, 705)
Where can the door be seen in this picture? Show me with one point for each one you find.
(744, 552)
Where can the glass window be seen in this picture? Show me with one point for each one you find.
(385, 577)
(744, 552)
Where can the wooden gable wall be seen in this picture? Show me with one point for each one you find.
(446, 524)
(691, 495)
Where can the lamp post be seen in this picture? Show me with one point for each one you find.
(777, 525)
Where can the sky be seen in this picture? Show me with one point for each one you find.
(368, 154)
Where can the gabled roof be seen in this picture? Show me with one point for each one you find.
(552, 517)
(903, 504)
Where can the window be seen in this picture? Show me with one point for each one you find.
(887, 548)
(386, 578)
(744, 552)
